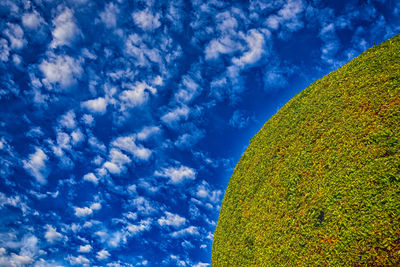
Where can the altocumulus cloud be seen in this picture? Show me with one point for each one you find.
(122, 120)
(36, 165)
(177, 175)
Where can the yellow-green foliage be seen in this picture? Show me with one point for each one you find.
(319, 184)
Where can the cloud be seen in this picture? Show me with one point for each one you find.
(331, 44)
(83, 212)
(65, 30)
(80, 260)
(16, 202)
(109, 15)
(190, 89)
(96, 144)
(127, 143)
(103, 254)
(85, 249)
(175, 115)
(146, 20)
(144, 225)
(141, 54)
(52, 235)
(15, 35)
(147, 132)
(136, 95)
(274, 77)
(116, 162)
(171, 219)
(228, 40)
(223, 45)
(23, 250)
(95, 206)
(288, 17)
(68, 120)
(143, 206)
(4, 50)
(36, 165)
(239, 119)
(32, 20)
(77, 137)
(88, 119)
(15, 260)
(177, 175)
(205, 192)
(61, 70)
(90, 177)
(189, 231)
(255, 42)
(86, 211)
(96, 106)
(187, 140)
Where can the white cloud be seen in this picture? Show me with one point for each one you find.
(85, 249)
(145, 53)
(88, 119)
(22, 250)
(171, 219)
(103, 254)
(68, 120)
(137, 95)
(61, 70)
(65, 30)
(16, 202)
(52, 235)
(15, 35)
(189, 90)
(80, 260)
(32, 20)
(205, 192)
(175, 115)
(288, 17)
(142, 205)
(146, 20)
(77, 137)
(127, 143)
(273, 22)
(96, 144)
(177, 175)
(95, 206)
(189, 140)
(255, 42)
(191, 230)
(147, 131)
(144, 225)
(97, 105)
(117, 161)
(109, 15)
(4, 50)
(15, 260)
(90, 177)
(222, 45)
(36, 165)
(83, 212)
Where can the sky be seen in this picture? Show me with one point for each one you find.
(121, 121)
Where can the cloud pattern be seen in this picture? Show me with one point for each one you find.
(121, 121)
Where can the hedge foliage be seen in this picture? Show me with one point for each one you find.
(319, 184)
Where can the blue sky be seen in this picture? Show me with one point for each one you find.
(121, 122)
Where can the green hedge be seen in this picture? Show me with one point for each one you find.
(319, 184)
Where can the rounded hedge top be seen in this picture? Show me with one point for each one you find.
(319, 184)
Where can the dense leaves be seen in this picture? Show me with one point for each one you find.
(319, 184)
